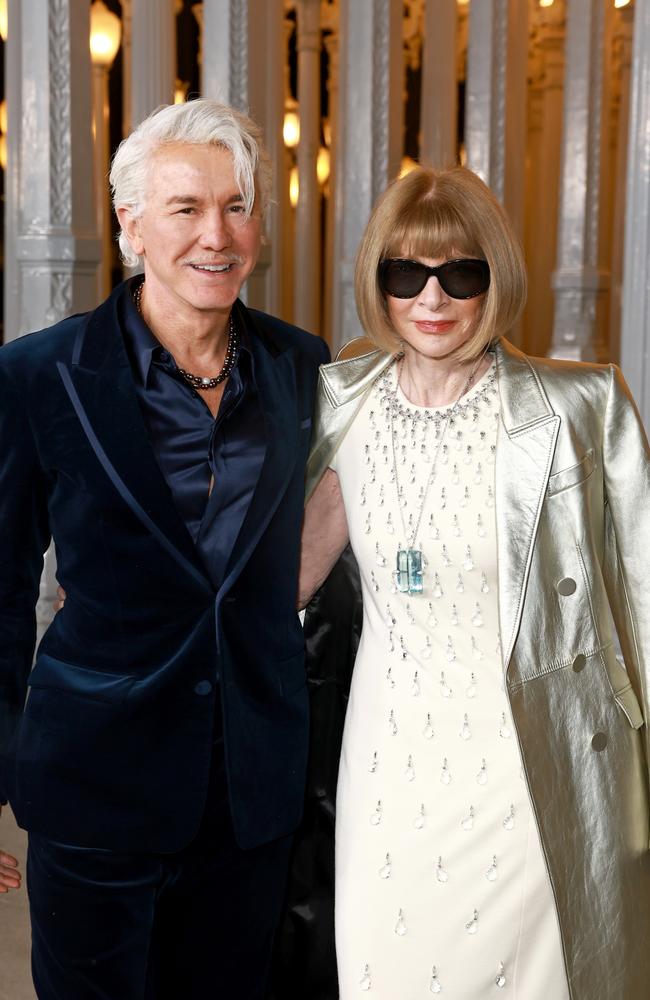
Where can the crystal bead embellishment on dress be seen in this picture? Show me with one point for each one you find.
(442, 875)
(509, 820)
(472, 925)
(375, 818)
(400, 926)
(492, 872)
(386, 869)
(500, 981)
(365, 982)
(434, 986)
(467, 822)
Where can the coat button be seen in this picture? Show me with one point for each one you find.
(566, 587)
(579, 663)
(203, 687)
(598, 741)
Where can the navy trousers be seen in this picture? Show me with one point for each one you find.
(196, 925)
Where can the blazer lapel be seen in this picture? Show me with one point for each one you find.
(99, 383)
(276, 384)
(527, 435)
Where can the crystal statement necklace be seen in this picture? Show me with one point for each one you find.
(410, 563)
(232, 350)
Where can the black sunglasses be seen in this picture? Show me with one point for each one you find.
(460, 279)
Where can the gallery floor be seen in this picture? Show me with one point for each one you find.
(15, 978)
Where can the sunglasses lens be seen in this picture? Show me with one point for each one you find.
(402, 278)
(463, 279)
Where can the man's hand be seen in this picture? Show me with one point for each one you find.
(60, 599)
(10, 877)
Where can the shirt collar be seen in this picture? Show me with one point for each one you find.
(143, 344)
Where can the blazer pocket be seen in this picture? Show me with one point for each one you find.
(622, 690)
(97, 685)
(572, 476)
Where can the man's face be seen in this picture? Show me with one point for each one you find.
(197, 243)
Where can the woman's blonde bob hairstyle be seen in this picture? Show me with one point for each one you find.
(441, 214)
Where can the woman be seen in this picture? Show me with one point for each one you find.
(492, 813)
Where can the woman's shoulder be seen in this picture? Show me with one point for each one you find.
(562, 379)
(356, 367)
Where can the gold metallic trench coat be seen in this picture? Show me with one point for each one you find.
(573, 542)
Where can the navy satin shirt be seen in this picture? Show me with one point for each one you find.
(190, 445)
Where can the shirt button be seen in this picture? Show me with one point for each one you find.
(566, 587)
(203, 687)
(579, 663)
(599, 742)
(164, 357)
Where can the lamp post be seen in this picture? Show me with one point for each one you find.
(105, 37)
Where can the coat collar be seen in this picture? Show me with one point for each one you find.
(100, 385)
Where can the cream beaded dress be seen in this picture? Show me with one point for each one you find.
(441, 885)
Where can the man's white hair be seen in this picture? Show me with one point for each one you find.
(201, 122)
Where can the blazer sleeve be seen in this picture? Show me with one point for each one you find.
(626, 470)
(24, 537)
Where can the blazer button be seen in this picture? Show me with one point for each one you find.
(203, 687)
(566, 587)
(598, 742)
(579, 663)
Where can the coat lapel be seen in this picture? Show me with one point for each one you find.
(100, 385)
(527, 435)
(276, 384)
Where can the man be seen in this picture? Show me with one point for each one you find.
(161, 440)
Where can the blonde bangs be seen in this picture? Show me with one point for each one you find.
(432, 228)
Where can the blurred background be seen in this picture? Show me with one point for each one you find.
(546, 99)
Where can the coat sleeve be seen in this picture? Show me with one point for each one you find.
(626, 469)
(24, 537)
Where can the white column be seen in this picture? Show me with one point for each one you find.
(370, 136)
(240, 42)
(635, 326)
(153, 56)
(53, 250)
(495, 123)
(225, 51)
(577, 281)
(439, 114)
(307, 255)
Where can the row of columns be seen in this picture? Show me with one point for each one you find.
(53, 249)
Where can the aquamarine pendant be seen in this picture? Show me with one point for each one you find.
(409, 571)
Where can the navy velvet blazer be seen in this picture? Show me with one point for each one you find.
(114, 744)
